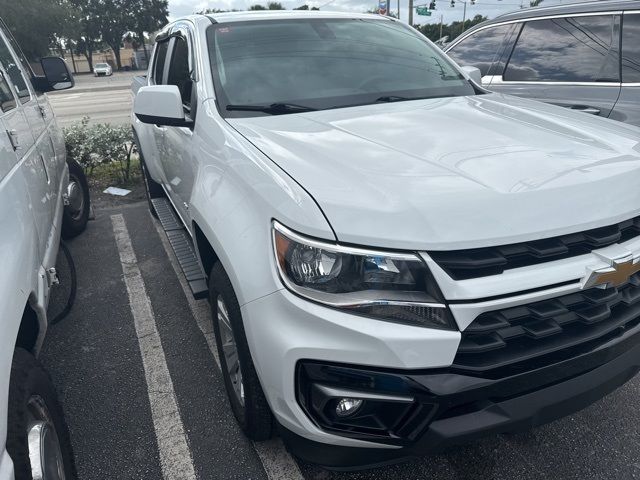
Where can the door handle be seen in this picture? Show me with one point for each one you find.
(13, 138)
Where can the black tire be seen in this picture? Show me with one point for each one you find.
(152, 189)
(254, 417)
(76, 214)
(29, 380)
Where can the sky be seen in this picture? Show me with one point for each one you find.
(489, 8)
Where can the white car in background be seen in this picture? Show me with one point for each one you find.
(42, 198)
(102, 69)
(397, 259)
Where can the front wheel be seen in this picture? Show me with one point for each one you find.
(37, 434)
(76, 213)
(243, 387)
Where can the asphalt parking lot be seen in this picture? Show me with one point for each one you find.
(144, 397)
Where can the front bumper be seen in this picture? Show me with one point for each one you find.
(285, 331)
(463, 408)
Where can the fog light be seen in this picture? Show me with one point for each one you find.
(348, 406)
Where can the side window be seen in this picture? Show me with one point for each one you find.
(481, 49)
(158, 66)
(7, 100)
(573, 49)
(179, 71)
(631, 48)
(14, 73)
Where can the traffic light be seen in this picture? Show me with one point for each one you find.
(432, 5)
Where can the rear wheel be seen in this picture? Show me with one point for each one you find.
(152, 188)
(76, 213)
(243, 387)
(37, 434)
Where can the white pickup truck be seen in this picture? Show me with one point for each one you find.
(40, 200)
(397, 259)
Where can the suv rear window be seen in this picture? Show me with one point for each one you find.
(631, 48)
(572, 49)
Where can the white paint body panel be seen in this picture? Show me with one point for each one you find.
(424, 175)
(32, 181)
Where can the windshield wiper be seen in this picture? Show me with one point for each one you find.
(273, 109)
(393, 98)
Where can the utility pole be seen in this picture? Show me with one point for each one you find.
(411, 13)
(398, 9)
(464, 15)
(440, 26)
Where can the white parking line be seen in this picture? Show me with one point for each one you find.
(277, 462)
(175, 456)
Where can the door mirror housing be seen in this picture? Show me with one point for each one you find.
(57, 75)
(160, 105)
(473, 73)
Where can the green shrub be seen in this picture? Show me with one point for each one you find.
(94, 145)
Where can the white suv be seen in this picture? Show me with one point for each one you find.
(397, 260)
(35, 186)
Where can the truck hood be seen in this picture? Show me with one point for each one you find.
(457, 172)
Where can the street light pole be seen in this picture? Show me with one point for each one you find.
(411, 13)
(464, 15)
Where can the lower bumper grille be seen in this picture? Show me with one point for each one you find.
(509, 341)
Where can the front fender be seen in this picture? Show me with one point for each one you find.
(237, 193)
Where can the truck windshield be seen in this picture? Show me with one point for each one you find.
(273, 67)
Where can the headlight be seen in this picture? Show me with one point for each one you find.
(385, 285)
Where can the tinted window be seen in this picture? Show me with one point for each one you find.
(14, 73)
(480, 49)
(7, 100)
(179, 72)
(158, 67)
(326, 63)
(577, 49)
(631, 48)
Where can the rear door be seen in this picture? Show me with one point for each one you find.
(628, 107)
(571, 61)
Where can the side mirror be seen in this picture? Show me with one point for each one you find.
(160, 105)
(57, 75)
(474, 74)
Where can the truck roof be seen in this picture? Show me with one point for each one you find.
(228, 17)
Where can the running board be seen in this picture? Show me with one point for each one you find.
(182, 246)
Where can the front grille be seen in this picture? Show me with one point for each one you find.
(481, 262)
(510, 341)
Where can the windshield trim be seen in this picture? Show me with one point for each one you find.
(222, 101)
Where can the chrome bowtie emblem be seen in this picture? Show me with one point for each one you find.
(622, 266)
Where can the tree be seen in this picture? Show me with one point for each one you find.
(113, 17)
(148, 16)
(306, 7)
(432, 30)
(270, 6)
(36, 24)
